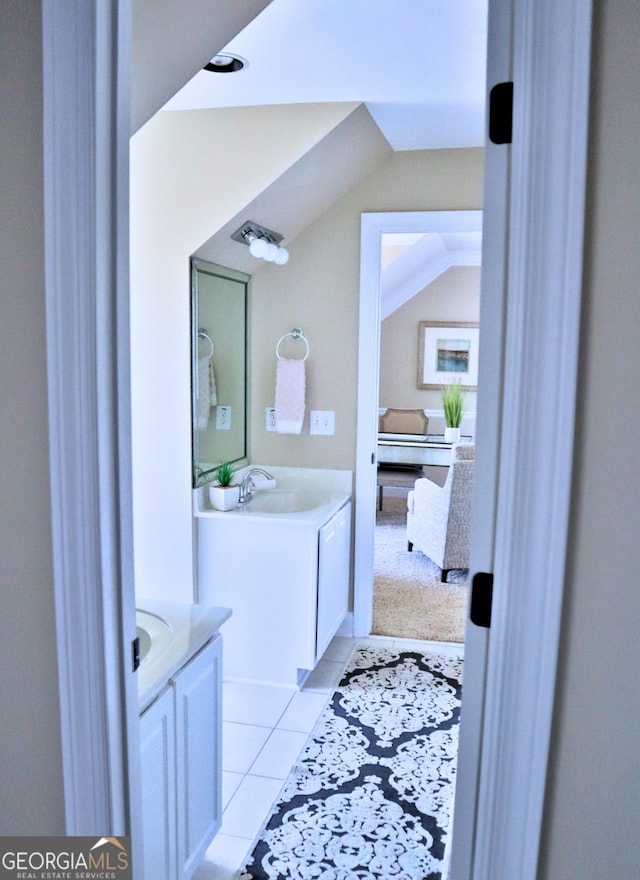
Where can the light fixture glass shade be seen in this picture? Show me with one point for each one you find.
(258, 247)
(271, 253)
(281, 257)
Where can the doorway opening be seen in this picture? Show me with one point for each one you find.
(556, 220)
(429, 290)
(449, 298)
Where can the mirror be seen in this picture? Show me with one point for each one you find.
(219, 299)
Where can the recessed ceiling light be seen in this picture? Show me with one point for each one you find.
(226, 63)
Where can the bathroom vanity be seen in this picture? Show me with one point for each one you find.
(179, 688)
(282, 563)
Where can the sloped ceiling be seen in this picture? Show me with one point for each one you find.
(424, 260)
(418, 65)
(306, 190)
(172, 40)
(418, 68)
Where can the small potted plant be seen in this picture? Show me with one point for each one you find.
(452, 404)
(224, 494)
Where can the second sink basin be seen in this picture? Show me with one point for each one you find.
(153, 632)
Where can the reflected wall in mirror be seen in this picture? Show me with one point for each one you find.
(219, 301)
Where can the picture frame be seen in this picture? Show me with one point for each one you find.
(447, 352)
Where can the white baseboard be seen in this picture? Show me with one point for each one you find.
(346, 627)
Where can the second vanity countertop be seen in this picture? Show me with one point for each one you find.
(304, 496)
(170, 634)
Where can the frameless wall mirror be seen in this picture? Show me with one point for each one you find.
(219, 300)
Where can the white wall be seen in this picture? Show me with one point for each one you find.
(31, 787)
(592, 823)
(191, 172)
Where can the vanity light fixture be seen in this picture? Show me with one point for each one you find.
(263, 243)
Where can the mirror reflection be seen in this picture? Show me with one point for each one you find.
(219, 298)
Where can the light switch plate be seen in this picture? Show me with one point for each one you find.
(322, 421)
(271, 419)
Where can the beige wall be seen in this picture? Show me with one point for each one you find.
(191, 172)
(318, 290)
(454, 296)
(592, 822)
(31, 785)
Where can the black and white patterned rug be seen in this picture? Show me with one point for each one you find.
(372, 792)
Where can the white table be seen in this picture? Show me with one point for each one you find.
(408, 454)
(415, 449)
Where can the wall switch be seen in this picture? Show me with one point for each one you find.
(271, 419)
(223, 418)
(322, 421)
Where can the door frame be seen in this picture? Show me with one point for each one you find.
(86, 89)
(551, 72)
(372, 227)
(551, 69)
(509, 695)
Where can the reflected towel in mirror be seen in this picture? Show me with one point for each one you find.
(206, 395)
(290, 392)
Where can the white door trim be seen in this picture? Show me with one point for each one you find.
(548, 178)
(372, 227)
(88, 422)
(86, 137)
(548, 181)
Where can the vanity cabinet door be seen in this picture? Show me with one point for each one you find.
(198, 696)
(334, 555)
(157, 759)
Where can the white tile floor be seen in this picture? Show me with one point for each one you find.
(264, 730)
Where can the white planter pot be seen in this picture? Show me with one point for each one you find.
(451, 435)
(224, 497)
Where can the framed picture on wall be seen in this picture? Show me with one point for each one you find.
(447, 352)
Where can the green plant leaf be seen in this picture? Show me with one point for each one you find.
(452, 404)
(225, 473)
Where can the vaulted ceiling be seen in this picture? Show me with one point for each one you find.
(418, 66)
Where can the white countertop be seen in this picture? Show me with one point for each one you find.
(178, 631)
(331, 489)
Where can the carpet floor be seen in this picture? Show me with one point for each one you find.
(409, 599)
(371, 796)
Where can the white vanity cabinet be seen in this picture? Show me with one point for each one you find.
(180, 738)
(334, 559)
(287, 580)
(158, 773)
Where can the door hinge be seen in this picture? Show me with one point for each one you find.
(135, 653)
(481, 598)
(501, 113)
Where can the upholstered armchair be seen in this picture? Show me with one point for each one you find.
(439, 517)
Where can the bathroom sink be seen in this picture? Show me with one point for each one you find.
(154, 633)
(145, 641)
(286, 501)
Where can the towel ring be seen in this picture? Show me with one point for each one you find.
(202, 334)
(297, 334)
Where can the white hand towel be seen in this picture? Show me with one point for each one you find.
(203, 393)
(290, 390)
(213, 394)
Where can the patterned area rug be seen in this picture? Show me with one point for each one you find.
(371, 795)
(409, 599)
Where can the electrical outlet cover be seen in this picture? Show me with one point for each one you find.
(223, 418)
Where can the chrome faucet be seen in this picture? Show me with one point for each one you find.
(247, 486)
